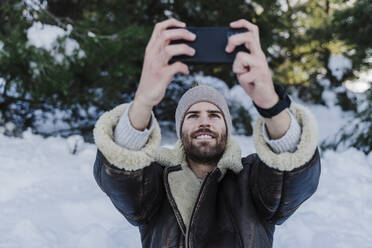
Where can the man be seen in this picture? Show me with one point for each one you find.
(202, 193)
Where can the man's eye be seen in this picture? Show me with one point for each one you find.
(216, 115)
(192, 116)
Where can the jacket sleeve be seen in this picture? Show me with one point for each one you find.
(130, 178)
(280, 183)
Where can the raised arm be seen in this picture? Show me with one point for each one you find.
(129, 176)
(279, 181)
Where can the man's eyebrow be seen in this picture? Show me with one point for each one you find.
(209, 111)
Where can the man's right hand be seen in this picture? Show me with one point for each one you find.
(156, 72)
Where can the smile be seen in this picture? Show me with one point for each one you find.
(204, 137)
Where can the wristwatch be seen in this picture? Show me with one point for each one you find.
(284, 102)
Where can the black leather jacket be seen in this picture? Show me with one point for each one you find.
(239, 210)
(237, 205)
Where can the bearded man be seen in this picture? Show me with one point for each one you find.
(202, 193)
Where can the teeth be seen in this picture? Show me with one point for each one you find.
(204, 137)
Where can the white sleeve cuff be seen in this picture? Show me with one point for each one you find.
(287, 143)
(127, 136)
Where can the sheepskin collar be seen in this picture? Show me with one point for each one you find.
(231, 158)
(184, 185)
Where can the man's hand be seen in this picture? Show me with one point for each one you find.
(254, 75)
(251, 69)
(156, 73)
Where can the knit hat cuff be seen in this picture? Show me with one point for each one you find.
(201, 93)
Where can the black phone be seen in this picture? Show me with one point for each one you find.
(209, 45)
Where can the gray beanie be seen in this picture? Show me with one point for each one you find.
(201, 93)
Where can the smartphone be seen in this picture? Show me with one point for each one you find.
(209, 45)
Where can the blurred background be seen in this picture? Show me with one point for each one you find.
(64, 62)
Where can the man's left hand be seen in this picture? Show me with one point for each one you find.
(252, 70)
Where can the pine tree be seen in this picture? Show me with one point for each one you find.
(353, 25)
(298, 39)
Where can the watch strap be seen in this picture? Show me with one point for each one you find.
(283, 103)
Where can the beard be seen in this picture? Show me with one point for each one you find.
(204, 152)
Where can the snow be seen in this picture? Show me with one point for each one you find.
(35, 4)
(257, 7)
(362, 84)
(56, 120)
(10, 126)
(47, 122)
(49, 197)
(45, 36)
(2, 85)
(292, 3)
(11, 90)
(91, 34)
(339, 65)
(75, 143)
(339, 214)
(35, 69)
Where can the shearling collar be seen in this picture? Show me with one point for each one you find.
(183, 184)
(133, 160)
(231, 158)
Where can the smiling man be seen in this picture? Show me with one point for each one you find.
(203, 145)
(202, 193)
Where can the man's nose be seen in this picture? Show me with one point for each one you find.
(204, 121)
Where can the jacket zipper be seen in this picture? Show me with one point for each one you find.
(195, 206)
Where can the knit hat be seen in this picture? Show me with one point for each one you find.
(201, 93)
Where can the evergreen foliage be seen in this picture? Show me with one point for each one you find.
(353, 25)
(109, 38)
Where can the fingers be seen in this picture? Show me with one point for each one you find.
(179, 49)
(156, 73)
(242, 23)
(250, 38)
(173, 34)
(176, 34)
(244, 67)
(243, 62)
(246, 39)
(159, 48)
(175, 68)
(169, 23)
(160, 26)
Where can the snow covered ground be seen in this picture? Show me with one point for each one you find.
(49, 198)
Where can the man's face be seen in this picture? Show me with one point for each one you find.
(204, 133)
